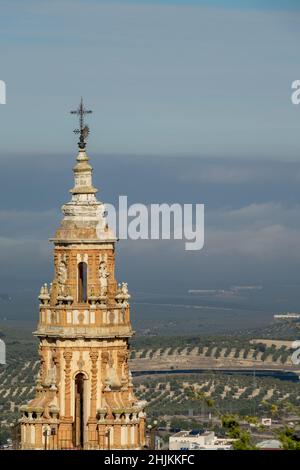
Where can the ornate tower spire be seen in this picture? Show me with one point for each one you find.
(84, 216)
(84, 397)
(83, 189)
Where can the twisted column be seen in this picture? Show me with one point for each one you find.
(94, 369)
(68, 358)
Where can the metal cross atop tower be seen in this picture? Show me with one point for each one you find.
(83, 128)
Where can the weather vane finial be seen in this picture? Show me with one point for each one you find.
(83, 128)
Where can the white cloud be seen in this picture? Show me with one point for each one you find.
(265, 232)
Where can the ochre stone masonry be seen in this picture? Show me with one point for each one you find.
(84, 394)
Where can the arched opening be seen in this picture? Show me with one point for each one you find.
(82, 282)
(78, 434)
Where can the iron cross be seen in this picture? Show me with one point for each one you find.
(83, 129)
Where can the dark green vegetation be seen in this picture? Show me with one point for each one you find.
(17, 377)
(167, 395)
(218, 394)
(289, 439)
(230, 350)
(209, 346)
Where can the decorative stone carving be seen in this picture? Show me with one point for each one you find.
(92, 298)
(60, 296)
(121, 356)
(122, 295)
(44, 296)
(62, 274)
(68, 358)
(124, 288)
(123, 314)
(68, 297)
(104, 357)
(94, 357)
(130, 384)
(56, 362)
(123, 383)
(112, 375)
(103, 277)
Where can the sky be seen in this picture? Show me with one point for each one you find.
(163, 77)
(191, 103)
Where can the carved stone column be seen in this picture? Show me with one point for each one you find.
(68, 358)
(94, 369)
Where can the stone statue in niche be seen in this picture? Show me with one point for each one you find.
(112, 376)
(125, 294)
(103, 276)
(62, 274)
(123, 314)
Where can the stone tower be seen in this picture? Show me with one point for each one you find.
(84, 394)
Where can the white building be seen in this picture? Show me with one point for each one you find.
(189, 440)
(266, 421)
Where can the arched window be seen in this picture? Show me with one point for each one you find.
(82, 282)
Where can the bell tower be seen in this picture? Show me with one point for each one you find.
(84, 393)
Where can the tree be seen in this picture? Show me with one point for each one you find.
(251, 419)
(4, 435)
(289, 407)
(289, 440)
(230, 422)
(207, 401)
(243, 442)
(274, 410)
(243, 438)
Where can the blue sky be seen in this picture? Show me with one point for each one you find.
(163, 78)
(240, 4)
